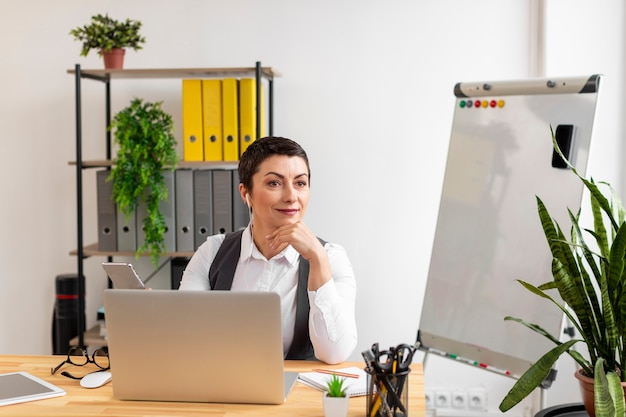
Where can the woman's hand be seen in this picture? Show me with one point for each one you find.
(299, 236)
(304, 241)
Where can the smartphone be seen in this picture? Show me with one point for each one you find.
(123, 275)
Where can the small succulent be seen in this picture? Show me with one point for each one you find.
(335, 386)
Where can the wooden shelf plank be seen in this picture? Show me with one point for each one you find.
(103, 163)
(91, 338)
(138, 73)
(92, 250)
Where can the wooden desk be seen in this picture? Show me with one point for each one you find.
(303, 401)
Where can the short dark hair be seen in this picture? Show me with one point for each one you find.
(263, 148)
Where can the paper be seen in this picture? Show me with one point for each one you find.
(354, 386)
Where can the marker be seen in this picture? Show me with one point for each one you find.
(470, 362)
(497, 370)
(437, 351)
(465, 360)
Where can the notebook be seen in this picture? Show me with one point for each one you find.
(196, 346)
(354, 386)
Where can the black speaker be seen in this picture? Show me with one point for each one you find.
(65, 315)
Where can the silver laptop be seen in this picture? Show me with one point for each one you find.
(196, 346)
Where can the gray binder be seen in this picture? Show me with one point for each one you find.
(107, 240)
(126, 232)
(202, 205)
(167, 208)
(184, 210)
(241, 216)
(140, 214)
(222, 201)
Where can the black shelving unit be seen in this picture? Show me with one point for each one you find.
(259, 72)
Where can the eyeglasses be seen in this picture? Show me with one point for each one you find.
(79, 357)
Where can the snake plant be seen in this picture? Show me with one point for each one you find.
(590, 282)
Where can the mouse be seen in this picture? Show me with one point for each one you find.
(95, 379)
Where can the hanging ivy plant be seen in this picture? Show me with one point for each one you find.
(145, 135)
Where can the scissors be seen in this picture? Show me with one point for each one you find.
(403, 356)
(395, 359)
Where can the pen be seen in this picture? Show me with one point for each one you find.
(331, 372)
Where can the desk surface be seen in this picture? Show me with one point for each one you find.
(302, 401)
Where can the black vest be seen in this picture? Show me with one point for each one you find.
(222, 272)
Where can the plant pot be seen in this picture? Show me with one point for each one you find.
(113, 59)
(586, 390)
(335, 406)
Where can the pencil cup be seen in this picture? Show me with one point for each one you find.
(387, 394)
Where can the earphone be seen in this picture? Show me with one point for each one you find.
(249, 208)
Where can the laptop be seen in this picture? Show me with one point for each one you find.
(196, 346)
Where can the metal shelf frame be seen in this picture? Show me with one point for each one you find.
(105, 76)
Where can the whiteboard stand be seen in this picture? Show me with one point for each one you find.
(488, 233)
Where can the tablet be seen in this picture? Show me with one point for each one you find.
(123, 275)
(19, 387)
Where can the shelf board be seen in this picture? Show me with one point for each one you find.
(91, 338)
(92, 250)
(137, 73)
(104, 163)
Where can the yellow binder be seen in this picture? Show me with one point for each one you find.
(247, 113)
(192, 120)
(212, 120)
(230, 120)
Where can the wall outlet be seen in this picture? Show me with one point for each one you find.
(459, 399)
(477, 399)
(443, 399)
(429, 396)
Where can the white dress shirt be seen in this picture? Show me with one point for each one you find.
(332, 324)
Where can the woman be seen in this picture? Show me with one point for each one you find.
(278, 252)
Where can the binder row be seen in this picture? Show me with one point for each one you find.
(219, 118)
(200, 203)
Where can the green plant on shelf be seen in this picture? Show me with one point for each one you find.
(105, 33)
(145, 135)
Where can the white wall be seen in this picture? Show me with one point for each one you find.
(366, 89)
(584, 37)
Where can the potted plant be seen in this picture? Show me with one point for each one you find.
(335, 399)
(591, 282)
(109, 37)
(145, 135)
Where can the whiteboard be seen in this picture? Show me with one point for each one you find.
(488, 231)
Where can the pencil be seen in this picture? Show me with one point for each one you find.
(330, 371)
